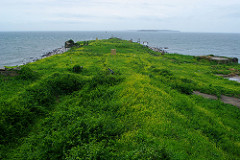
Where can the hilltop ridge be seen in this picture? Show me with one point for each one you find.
(89, 103)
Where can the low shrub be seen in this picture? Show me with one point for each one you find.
(38, 95)
(27, 73)
(163, 72)
(14, 121)
(104, 79)
(64, 83)
(189, 81)
(33, 102)
(45, 93)
(183, 88)
(77, 68)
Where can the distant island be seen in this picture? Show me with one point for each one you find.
(152, 30)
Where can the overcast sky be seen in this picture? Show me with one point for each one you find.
(82, 15)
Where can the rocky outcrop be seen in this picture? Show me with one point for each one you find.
(218, 59)
(160, 50)
(9, 72)
(70, 43)
(235, 60)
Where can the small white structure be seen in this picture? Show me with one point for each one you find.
(145, 43)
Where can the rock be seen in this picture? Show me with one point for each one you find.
(55, 51)
(70, 43)
(160, 50)
(235, 60)
(9, 73)
(17, 69)
(218, 59)
(12, 72)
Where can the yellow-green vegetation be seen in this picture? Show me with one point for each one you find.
(137, 104)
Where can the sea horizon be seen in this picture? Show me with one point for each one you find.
(19, 47)
(130, 30)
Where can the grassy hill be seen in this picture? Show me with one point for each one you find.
(56, 109)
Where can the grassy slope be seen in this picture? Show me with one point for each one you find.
(145, 110)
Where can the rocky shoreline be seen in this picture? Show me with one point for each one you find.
(51, 53)
(55, 51)
(160, 50)
(65, 48)
(48, 54)
(12, 71)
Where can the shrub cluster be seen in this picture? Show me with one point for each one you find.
(182, 85)
(27, 73)
(77, 68)
(34, 101)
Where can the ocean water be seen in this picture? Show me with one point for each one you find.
(17, 48)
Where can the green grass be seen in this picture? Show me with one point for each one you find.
(57, 110)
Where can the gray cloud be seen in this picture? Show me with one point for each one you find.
(185, 15)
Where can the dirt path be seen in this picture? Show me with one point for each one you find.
(225, 99)
(231, 100)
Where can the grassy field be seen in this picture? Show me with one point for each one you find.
(70, 106)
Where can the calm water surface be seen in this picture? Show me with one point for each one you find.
(20, 47)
